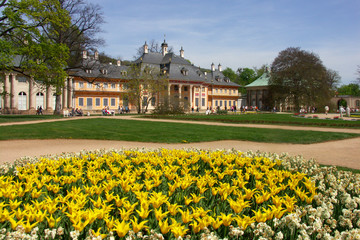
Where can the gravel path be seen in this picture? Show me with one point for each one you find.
(342, 153)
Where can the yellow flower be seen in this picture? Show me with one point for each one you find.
(138, 226)
(196, 198)
(179, 231)
(185, 216)
(143, 213)
(164, 226)
(121, 228)
(173, 208)
(187, 200)
(217, 223)
(159, 215)
(227, 219)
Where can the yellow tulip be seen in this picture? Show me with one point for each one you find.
(159, 215)
(143, 213)
(187, 200)
(217, 223)
(226, 219)
(14, 204)
(121, 228)
(179, 231)
(185, 216)
(164, 226)
(173, 208)
(138, 226)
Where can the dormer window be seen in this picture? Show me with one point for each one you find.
(184, 71)
(164, 70)
(123, 73)
(88, 71)
(104, 71)
(217, 78)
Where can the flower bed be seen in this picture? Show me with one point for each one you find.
(168, 194)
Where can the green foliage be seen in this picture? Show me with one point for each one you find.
(350, 89)
(166, 108)
(25, 43)
(229, 73)
(144, 84)
(300, 78)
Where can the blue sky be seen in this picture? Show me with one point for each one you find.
(237, 33)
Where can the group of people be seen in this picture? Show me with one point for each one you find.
(122, 109)
(39, 110)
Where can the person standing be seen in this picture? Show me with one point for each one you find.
(326, 109)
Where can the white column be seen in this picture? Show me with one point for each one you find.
(180, 86)
(69, 88)
(48, 97)
(64, 96)
(191, 96)
(200, 97)
(169, 88)
(31, 97)
(12, 96)
(6, 89)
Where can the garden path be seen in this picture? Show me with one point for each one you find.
(341, 153)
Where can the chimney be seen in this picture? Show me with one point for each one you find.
(164, 48)
(96, 55)
(84, 54)
(213, 67)
(146, 48)
(118, 63)
(219, 67)
(182, 52)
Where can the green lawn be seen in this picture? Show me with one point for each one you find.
(146, 131)
(264, 118)
(23, 118)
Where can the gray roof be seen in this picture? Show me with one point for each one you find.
(177, 67)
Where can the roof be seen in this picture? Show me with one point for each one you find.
(177, 67)
(262, 81)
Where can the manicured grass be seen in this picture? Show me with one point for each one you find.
(264, 118)
(23, 118)
(144, 131)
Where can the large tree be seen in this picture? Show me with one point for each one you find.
(25, 47)
(301, 78)
(80, 35)
(145, 84)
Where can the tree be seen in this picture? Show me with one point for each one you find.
(300, 77)
(144, 85)
(23, 37)
(229, 73)
(350, 89)
(246, 76)
(80, 35)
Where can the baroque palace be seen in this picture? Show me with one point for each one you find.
(102, 85)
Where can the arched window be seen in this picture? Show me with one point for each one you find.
(39, 100)
(22, 101)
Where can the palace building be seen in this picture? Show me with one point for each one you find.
(98, 85)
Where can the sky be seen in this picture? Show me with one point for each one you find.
(237, 33)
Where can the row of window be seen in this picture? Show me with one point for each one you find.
(105, 101)
(97, 85)
(226, 103)
(216, 90)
